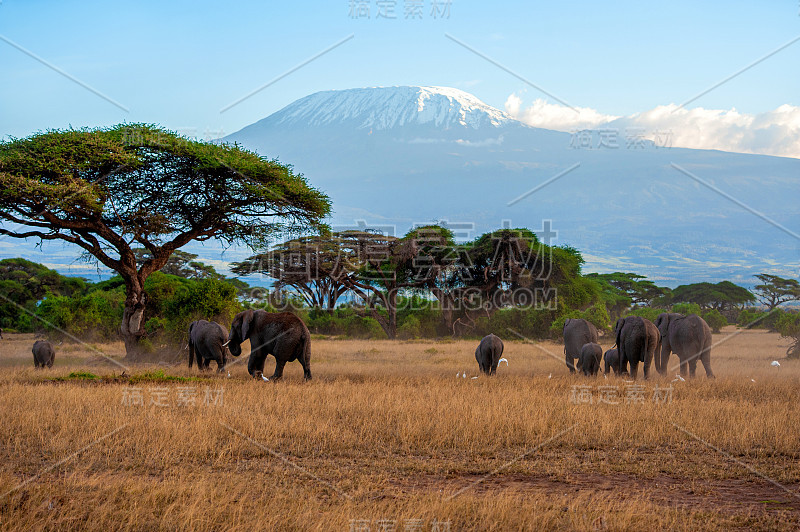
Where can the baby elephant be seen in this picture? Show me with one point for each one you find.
(43, 354)
(611, 358)
(488, 354)
(590, 359)
(207, 341)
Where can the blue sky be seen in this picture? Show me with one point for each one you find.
(179, 63)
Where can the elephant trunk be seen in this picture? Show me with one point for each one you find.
(665, 352)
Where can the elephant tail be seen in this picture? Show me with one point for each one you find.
(657, 355)
(643, 354)
(306, 347)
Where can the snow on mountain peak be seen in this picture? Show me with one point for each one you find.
(388, 107)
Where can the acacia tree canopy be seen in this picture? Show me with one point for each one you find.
(721, 296)
(135, 185)
(775, 290)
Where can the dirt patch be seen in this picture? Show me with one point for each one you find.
(731, 496)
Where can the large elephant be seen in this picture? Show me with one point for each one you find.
(488, 354)
(280, 334)
(589, 361)
(689, 337)
(638, 340)
(611, 358)
(577, 332)
(43, 354)
(206, 343)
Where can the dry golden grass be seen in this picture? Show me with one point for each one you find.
(386, 431)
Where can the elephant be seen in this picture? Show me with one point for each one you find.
(488, 354)
(589, 361)
(206, 343)
(611, 358)
(689, 337)
(577, 332)
(280, 334)
(638, 340)
(43, 354)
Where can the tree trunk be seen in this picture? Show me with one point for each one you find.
(391, 308)
(132, 329)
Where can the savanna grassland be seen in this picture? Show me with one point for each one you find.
(386, 435)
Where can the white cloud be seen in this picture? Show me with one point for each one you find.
(775, 132)
(555, 116)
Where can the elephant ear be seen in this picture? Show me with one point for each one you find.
(618, 330)
(247, 319)
(662, 323)
(191, 326)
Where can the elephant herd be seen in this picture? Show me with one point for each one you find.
(285, 336)
(638, 340)
(282, 335)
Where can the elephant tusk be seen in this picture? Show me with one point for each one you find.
(226, 343)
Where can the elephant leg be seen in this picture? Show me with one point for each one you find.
(705, 358)
(220, 365)
(648, 359)
(570, 363)
(692, 366)
(279, 364)
(684, 367)
(634, 369)
(306, 369)
(255, 364)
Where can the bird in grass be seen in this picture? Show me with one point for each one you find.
(503, 360)
(776, 364)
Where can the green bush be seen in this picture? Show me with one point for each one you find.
(758, 319)
(208, 299)
(409, 329)
(715, 320)
(96, 315)
(597, 315)
(686, 308)
(364, 327)
(647, 313)
(788, 325)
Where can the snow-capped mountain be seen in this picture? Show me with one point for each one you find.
(388, 107)
(398, 156)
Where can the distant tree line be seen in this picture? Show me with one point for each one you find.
(130, 196)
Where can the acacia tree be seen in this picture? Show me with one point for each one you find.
(110, 190)
(636, 288)
(321, 268)
(720, 296)
(314, 266)
(381, 265)
(775, 291)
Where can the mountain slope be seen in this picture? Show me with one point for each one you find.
(400, 156)
(388, 107)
